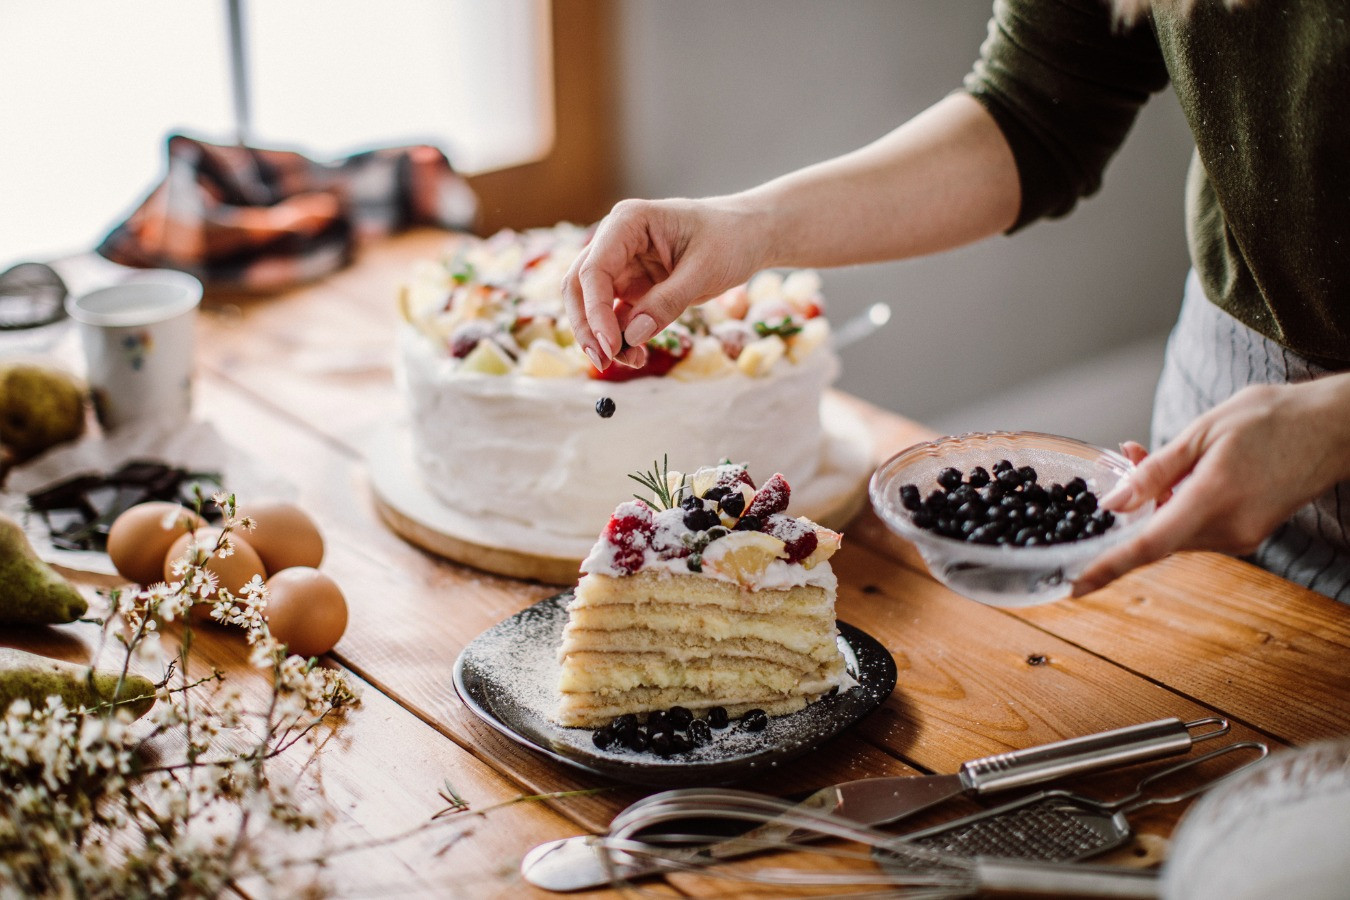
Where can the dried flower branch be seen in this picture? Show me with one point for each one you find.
(96, 804)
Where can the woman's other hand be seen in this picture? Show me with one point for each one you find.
(648, 262)
(1234, 474)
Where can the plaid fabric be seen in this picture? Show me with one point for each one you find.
(263, 220)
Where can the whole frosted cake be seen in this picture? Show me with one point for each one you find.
(708, 596)
(503, 404)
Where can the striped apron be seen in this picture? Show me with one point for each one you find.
(1210, 357)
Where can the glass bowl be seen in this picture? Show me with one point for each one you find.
(1004, 574)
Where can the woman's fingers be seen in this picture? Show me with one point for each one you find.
(1154, 475)
(1170, 530)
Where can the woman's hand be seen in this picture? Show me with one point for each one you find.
(648, 262)
(1234, 474)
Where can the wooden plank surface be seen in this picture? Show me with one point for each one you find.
(299, 384)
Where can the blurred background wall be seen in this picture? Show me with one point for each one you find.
(1057, 328)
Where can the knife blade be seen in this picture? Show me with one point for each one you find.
(579, 863)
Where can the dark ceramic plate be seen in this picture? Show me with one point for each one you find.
(508, 676)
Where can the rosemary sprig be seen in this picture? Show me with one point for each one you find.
(657, 481)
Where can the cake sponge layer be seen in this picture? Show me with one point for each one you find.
(653, 640)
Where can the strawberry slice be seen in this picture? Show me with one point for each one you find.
(772, 497)
(658, 363)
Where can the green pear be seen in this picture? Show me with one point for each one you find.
(31, 593)
(25, 675)
(40, 406)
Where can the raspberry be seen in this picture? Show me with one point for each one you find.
(630, 527)
(771, 498)
(799, 539)
(628, 559)
(466, 337)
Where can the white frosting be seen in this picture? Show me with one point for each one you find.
(533, 450)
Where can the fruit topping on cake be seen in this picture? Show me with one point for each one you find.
(701, 594)
(494, 305)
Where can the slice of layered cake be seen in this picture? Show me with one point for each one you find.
(708, 595)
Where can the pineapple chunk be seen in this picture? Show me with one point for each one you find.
(546, 359)
(534, 330)
(705, 360)
(802, 287)
(803, 343)
(766, 286)
(488, 358)
(760, 356)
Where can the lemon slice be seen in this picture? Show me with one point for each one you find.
(743, 556)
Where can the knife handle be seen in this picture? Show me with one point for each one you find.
(1123, 746)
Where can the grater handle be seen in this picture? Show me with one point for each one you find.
(1120, 747)
(1009, 876)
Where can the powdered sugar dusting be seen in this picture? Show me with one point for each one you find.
(509, 676)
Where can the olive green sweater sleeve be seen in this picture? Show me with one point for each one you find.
(1263, 86)
(1064, 87)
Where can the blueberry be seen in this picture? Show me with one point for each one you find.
(680, 744)
(691, 503)
(971, 510)
(624, 724)
(749, 523)
(909, 497)
(603, 738)
(679, 717)
(717, 717)
(979, 477)
(1008, 477)
(1106, 517)
(1086, 501)
(604, 407)
(1075, 486)
(949, 478)
(661, 744)
(716, 492)
(1027, 474)
(985, 534)
(755, 720)
(638, 740)
(699, 732)
(937, 500)
(922, 519)
(701, 519)
(657, 722)
(732, 503)
(1002, 466)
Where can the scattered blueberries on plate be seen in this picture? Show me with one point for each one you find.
(671, 732)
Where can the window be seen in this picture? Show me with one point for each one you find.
(93, 88)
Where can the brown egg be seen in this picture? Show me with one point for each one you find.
(305, 610)
(140, 538)
(284, 536)
(232, 572)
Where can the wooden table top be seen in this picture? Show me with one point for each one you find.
(305, 379)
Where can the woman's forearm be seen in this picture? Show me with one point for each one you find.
(943, 179)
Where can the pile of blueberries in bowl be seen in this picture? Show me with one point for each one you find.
(1006, 518)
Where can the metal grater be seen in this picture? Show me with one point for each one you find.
(1054, 826)
(1050, 828)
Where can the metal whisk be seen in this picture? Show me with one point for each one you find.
(927, 873)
